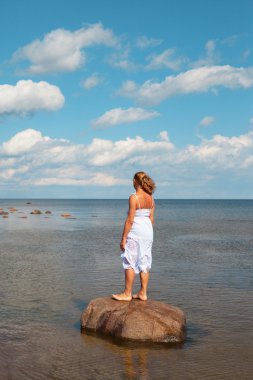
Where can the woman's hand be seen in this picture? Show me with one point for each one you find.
(123, 244)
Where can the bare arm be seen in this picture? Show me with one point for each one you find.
(129, 221)
(152, 214)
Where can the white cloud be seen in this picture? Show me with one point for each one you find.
(144, 42)
(221, 152)
(164, 136)
(62, 50)
(201, 169)
(117, 116)
(124, 64)
(207, 120)
(29, 97)
(197, 80)
(164, 60)
(23, 142)
(211, 58)
(251, 120)
(130, 151)
(93, 81)
(231, 40)
(99, 179)
(121, 60)
(8, 174)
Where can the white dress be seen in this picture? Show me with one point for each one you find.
(138, 249)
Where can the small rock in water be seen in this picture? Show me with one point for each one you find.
(148, 321)
(5, 216)
(4, 213)
(23, 217)
(66, 215)
(48, 212)
(28, 203)
(12, 209)
(36, 212)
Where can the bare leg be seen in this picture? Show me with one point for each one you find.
(129, 280)
(142, 294)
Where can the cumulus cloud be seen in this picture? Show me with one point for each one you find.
(201, 79)
(164, 60)
(28, 97)
(221, 152)
(61, 50)
(49, 162)
(23, 142)
(207, 120)
(130, 151)
(93, 81)
(144, 42)
(44, 161)
(117, 116)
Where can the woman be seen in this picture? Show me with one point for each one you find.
(137, 237)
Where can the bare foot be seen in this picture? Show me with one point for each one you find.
(140, 296)
(121, 297)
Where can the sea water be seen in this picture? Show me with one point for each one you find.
(51, 267)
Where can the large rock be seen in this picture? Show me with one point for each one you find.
(150, 321)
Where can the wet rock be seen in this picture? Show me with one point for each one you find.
(5, 216)
(4, 213)
(28, 203)
(66, 215)
(12, 209)
(36, 212)
(48, 212)
(150, 321)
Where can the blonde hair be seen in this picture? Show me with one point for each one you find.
(146, 183)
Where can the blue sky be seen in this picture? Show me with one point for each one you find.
(93, 91)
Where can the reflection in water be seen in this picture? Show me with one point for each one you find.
(135, 360)
(136, 365)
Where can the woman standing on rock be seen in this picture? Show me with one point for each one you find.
(137, 237)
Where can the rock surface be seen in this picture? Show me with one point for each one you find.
(66, 215)
(150, 321)
(4, 213)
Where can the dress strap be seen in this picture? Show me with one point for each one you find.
(152, 201)
(137, 200)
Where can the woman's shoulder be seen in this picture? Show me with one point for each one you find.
(132, 197)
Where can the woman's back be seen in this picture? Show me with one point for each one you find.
(144, 201)
(142, 227)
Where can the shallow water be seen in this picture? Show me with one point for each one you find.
(51, 267)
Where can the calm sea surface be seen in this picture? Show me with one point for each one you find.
(51, 267)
